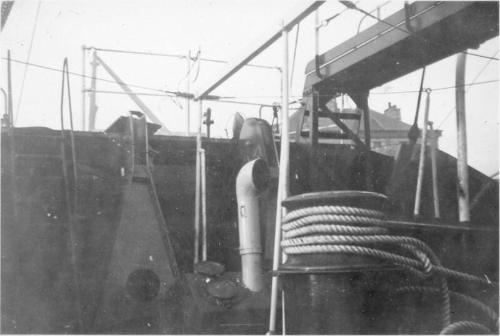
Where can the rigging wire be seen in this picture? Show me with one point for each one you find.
(196, 59)
(175, 93)
(439, 88)
(71, 206)
(373, 10)
(351, 5)
(388, 92)
(27, 60)
(91, 77)
(326, 21)
(473, 81)
(419, 99)
(294, 54)
(211, 60)
(414, 132)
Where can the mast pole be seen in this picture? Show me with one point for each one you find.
(421, 163)
(9, 91)
(283, 187)
(84, 52)
(188, 89)
(435, 190)
(462, 166)
(93, 84)
(197, 200)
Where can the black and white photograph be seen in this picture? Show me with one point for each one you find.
(249, 167)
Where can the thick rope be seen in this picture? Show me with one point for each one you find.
(306, 222)
(350, 230)
(333, 229)
(465, 328)
(331, 219)
(464, 299)
(331, 209)
(463, 276)
(353, 249)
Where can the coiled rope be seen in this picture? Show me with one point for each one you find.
(465, 328)
(462, 298)
(359, 231)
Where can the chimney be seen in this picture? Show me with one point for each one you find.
(393, 112)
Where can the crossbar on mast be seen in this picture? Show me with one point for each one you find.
(178, 56)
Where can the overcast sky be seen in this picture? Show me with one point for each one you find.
(219, 29)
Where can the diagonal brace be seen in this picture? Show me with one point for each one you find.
(357, 141)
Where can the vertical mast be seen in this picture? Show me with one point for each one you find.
(283, 188)
(462, 166)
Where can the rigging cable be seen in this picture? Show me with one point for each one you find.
(373, 10)
(147, 53)
(358, 231)
(90, 77)
(456, 296)
(473, 82)
(176, 93)
(414, 132)
(70, 206)
(465, 327)
(27, 60)
(197, 60)
(326, 21)
(383, 93)
(294, 55)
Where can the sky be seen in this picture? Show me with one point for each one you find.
(219, 29)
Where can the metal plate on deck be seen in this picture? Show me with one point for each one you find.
(210, 268)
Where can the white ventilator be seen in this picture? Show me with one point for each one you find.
(251, 181)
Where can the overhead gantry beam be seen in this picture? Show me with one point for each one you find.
(272, 34)
(388, 50)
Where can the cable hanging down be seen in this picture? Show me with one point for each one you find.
(19, 100)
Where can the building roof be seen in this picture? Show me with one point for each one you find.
(378, 122)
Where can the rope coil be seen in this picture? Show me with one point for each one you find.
(337, 229)
(358, 231)
(465, 327)
(461, 298)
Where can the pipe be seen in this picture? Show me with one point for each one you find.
(198, 186)
(9, 91)
(260, 111)
(283, 314)
(251, 181)
(84, 52)
(317, 26)
(188, 89)
(283, 181)
(203, 205)
(408, 18)
(12, 139)
(462, 166)
(421, 164)
(6, 104)
(435, 192)
(93, 84)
